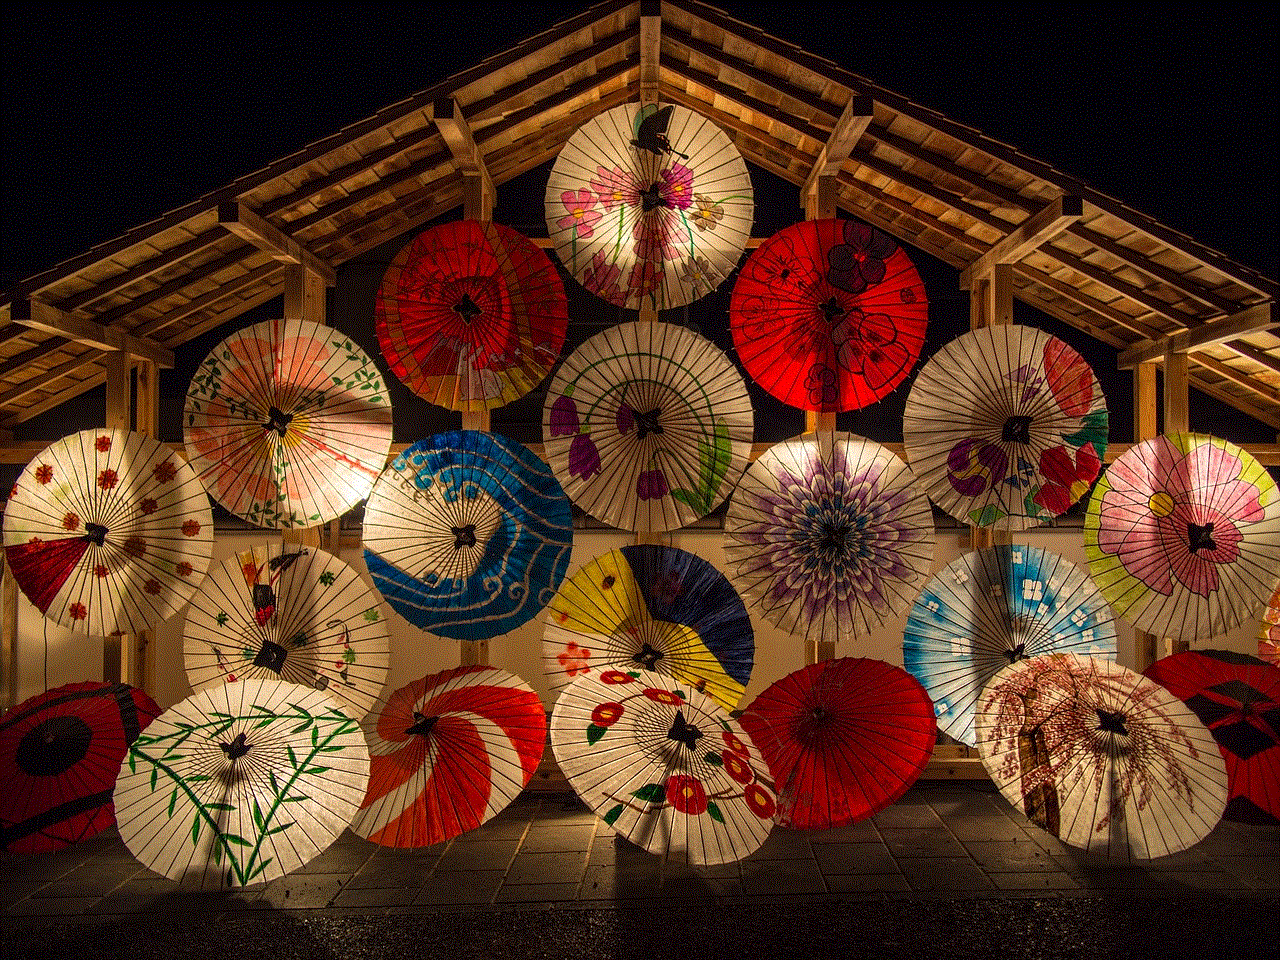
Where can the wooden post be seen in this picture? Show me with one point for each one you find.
(819, 421)
(1176, 420)
(1146, 645)
(146, 421)
(990, 304)
(8, 634)
(116, 665)
(304, 299)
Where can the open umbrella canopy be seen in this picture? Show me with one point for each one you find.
(467, 534)
(1238, 698)
(241, 783)
(1183, 535)
(829, 536)
(829, 315)
(648, 425)
(843, 739)
(663, 765)
(288, 423)
(108, 532)
(1005, 426)
(448, 752)
(1269, 630)
(993, 607)
(1101, 757)
(471, 315)
(649, 206)
(278, 611)
(60, 752)
(655, 608)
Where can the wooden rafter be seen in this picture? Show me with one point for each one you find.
(50, 319)
(47, 377)
(849, 129)
(650, 49)
(251, 227)
(456, 133)
(1031, 234)
(1261, 316)
(197, 275)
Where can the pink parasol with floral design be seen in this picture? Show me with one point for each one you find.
(663, 765)
(649, 206)
(1269, 630)
(1101, 757)
(1183, 535)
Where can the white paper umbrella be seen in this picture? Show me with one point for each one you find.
(993, 607)
(1183, 535)
(288, 423)
(649, 206)
(1101, 757)
(663, 765)
(285, 612)
(108, 531)
(829, 535)
(241, 783)
(648, 425)
(1005, 426)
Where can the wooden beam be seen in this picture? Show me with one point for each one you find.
(46, 317)
(142, 271)
(1176, 402)
(457, 136)
(206, 272)
(47, 377)
(1260, 316)
(251, 227)
(650, 49)
(1031, 234)
(304, 296)
(205, 300)
(8, 634)
(850, 127)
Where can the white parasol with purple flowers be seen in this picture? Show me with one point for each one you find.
(829, 535)
(647, 426)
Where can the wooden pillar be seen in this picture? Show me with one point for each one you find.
(1146, 645)
(8, 635)
(819, 421)
(304, 299)
(116, 666)
(1176, 420)
(990, 304)
(146, 421)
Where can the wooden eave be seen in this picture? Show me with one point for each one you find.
(935, 184)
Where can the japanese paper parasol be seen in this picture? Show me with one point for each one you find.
(829, 535)
(467, 534)
(1005, 426)
(829, 315)
(1101, 757)
(288, 423)
(843, 739)
(1269, 630)
(241, 783)
(663, 765)
(1238, 698)
(649, 206)
(648, 425)
(655, 608)
(471, 315)
(993, 607)
(282, 612)
(60, 752)
(108, 532)
(1183, 535)
(448, 752)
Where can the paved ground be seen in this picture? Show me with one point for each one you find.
(950, 870)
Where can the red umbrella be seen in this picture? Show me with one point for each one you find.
(60, 752)
(471, 315)
(829, 315)
(843, 738)
(1238, 698)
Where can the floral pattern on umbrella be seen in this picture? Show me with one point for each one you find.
(829, 536)
(1182, 535)
(108, 532)
(284, 612)
(993, 607)
(1269, 630)
(60, 752)
(652, 607)
(241, 783)
(288, 423)
(648, 425)
(829, 315)
(467, 534)
(1005, 426)
(649, 206)
(448, 752)
(1101, 757)
(664, 766)
(471, 315)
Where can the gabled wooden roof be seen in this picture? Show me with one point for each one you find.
(935, 184)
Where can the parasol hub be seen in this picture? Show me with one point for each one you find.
(278, 420)
(1016, 429)
(464, 536)
(647, 422)
(467, 309)
(1200, 537)
(271, 655)
(95, 533)
(422, 726)
(1112, 722)
(237, 748)
(833, 310)
(683, 732)
(835, 538)
(647, 657)
(1016, 653)
(651, 198)
(53, 746)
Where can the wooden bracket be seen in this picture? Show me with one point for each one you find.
(849, 128)
(458, 137)
(47, 318)
(250, 226)
(1034, 232)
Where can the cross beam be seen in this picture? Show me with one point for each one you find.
(849, 128)
(1261, 316)
(47, 318)
(250, 226)
(650, 48)
(1033, 233)
(457, 136)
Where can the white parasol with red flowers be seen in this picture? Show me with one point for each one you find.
(108, 532)
(649, 206)
(663, 765)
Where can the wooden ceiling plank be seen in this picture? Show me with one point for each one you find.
(55, 399)
(428, 165)
(748, 102)
(47, 377)
(1238, 377)
(250, 226)
(1077, 296)
(175, 286)
(142, 271)
(849, 128)
(1127, 290)
(19, 360)
(1261, 316)
(1263, 358)
(46, 317)
(1033, 233)
(929, 189)
(202, 325)
(943, 164)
